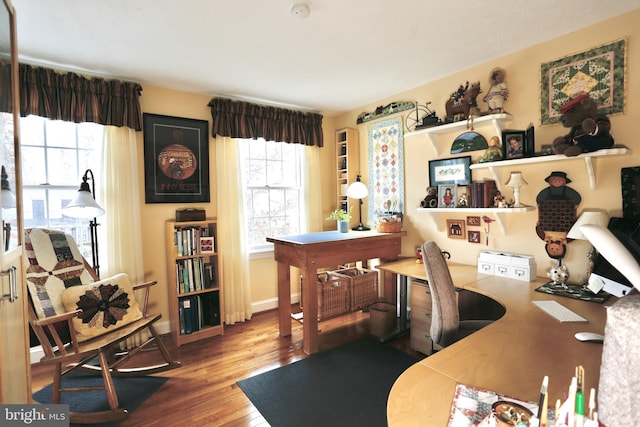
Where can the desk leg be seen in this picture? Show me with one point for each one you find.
(403, 327)
(309, 310)
(284, 299)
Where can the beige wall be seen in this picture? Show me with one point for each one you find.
(523, 80)
(523, 75)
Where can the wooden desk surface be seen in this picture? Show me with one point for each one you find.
(510, 356)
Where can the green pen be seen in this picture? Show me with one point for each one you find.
(579, 397)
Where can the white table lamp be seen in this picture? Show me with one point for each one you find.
(357, 190)
(516, 181)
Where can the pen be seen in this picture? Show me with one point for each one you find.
(579, 420)
(542, 404)
(592, 402)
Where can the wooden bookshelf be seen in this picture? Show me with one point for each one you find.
(193, 281)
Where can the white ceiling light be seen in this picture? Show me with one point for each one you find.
(300, 10)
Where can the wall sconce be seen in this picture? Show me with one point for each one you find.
(84, 205)
(358, 190)
(516, 181)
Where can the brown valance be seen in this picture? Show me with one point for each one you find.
(237, 119)
(73, 98)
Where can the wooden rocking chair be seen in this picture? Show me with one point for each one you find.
(80, 319)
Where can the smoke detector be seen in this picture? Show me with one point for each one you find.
(300, 10)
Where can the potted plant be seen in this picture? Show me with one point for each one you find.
(342, 217)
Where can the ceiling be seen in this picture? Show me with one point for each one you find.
(346, 54)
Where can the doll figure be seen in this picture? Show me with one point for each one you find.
(498, 91)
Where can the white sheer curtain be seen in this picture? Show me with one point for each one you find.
(311, 179)
(232, 242)
(119, 233)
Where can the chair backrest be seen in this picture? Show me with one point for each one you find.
(445, 319)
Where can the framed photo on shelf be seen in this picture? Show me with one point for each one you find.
(207, 245)
(450, 171)
(473, 221)
(513, 144)
(455, 229)
(176, 159)
(473, 236)
(529, 142)
(447, 196)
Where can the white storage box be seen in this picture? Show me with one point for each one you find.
(514, 266)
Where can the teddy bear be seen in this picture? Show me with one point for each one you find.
(589, 130)
(431, 200)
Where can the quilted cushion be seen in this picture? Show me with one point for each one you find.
(106, 305)
(54, 264)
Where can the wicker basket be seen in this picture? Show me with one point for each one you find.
(333, 291)
(389, 227)
(364, 287)
(382, 318)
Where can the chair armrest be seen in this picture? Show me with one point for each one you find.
(144, 287)
(57, 318)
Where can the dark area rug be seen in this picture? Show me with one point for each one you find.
(132, 392)
(345, 386)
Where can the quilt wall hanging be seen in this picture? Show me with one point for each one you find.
(599, 71)
(386, 168)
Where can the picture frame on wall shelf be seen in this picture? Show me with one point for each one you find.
(529, 142)
(176, 159)
(447, 195)
(207, 245)
(454, 171)
(456, 229)
(513, 144)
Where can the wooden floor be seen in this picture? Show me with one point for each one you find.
(204, 390)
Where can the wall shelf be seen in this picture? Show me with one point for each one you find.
(499, 213)
(589, 159)
(432, 133)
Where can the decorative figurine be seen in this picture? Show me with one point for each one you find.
(498, 93)
(431, 199)
(462, 102)
(494, 152)
(589, 130)
(557, 206)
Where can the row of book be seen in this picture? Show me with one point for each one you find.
(193, 241)
(482, 193)
(194, 274)
(198, 311)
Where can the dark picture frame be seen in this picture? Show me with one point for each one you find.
(473, 236)
(474, 221)
(454, 171)
(529, 142)
(513, 144)
(176, 159)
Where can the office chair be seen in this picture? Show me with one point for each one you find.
(446, 326)
(80, 320)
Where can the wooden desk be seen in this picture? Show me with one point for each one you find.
(317, 250)
(510, 356)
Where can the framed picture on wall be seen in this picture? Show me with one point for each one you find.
(455, 229)
(176, 159)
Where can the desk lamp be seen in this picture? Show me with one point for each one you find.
(84, 205)
(592, 216)
(619, 383)
(516, 181)
(357, 190)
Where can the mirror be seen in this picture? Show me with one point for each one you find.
(9, 129)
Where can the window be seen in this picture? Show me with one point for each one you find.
(273, 190)
(55, 155)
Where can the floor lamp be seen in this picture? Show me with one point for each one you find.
(84, 205)
(358, 190)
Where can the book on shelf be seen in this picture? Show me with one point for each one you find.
(187, 240)
(198, 311)
(209, 276)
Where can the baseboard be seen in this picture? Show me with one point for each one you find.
(162, 327)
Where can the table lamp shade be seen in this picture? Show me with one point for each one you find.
(357, 189)
(595, 217)
(516, 180)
